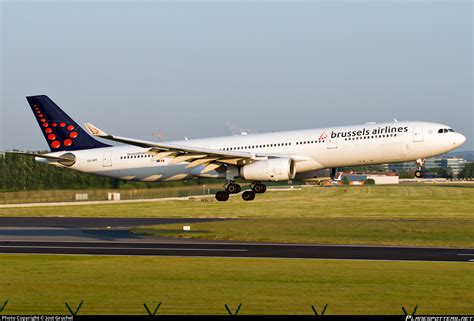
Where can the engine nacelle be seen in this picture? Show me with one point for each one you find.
(275, 169)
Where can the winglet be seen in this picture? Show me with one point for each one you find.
(95, 131)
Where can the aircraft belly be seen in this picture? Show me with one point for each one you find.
(201, 171)
(308, 165)
(150, 173)
(173, 173)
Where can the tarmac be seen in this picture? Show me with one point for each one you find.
(112, 236)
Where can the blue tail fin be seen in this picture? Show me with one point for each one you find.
(60, 131)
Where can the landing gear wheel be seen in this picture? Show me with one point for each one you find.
(248, 196)
(419, 168)
(222, 196)
(419, 174)
(259, 188)
(233, 188)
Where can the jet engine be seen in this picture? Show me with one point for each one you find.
(275, 169)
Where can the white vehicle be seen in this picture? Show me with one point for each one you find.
(257, 158)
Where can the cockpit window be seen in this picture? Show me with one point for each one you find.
(451, 130)
(445, 130)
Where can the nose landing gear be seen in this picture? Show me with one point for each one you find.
(419, 170)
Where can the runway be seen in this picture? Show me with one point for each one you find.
(90, 236)
(93, 222)
(238, 250)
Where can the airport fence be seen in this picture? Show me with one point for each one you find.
(50, 196)
(80, 195)
(153, 311)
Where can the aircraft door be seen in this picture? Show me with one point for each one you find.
(418, 134)
(108, 159)
(332, 143)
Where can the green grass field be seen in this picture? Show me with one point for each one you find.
(389, 215)
(394, 202)
(378, 215)
(39, 284)
(444, 233)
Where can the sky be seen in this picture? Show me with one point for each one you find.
(206, 68)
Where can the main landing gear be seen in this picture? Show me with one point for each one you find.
(222, 196)
(233, 188)
(419, 169)
(230, 188)
(258, 187)
(248, 196)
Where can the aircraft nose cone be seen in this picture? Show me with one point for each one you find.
(460, 139)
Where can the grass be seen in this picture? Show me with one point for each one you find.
(443, 233)
(369, 202)
(376, 215)
(40, 284)
(402, 215)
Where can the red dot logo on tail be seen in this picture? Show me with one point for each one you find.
(56, 144)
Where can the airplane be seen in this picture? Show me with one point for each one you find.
(256, 158)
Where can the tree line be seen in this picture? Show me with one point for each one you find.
(468, 171)
(23, 173)
(18, 172)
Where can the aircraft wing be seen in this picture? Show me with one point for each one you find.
(196, 156)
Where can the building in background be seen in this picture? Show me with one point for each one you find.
(402, 167)
(361, 179)
(434, 162)
(381, 179)
(452, 165)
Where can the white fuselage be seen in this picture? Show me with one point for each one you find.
(314, 149)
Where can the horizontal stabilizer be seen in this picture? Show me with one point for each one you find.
(39, 155)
